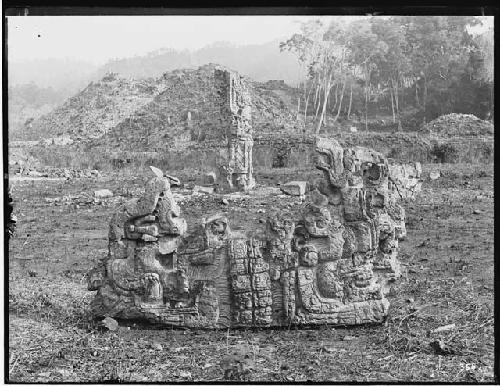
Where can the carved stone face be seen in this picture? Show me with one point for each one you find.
(308, 256)
(281, 227)
(216, 231)
(317, 221)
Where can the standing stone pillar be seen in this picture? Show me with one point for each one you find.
(235, 108)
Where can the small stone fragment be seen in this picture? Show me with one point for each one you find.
(440, 348)
(109, 324)
(434, 175)
(157, 346)
(103, 193)
(203, 189)
(444, 328)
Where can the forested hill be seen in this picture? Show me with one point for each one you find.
(261, 62)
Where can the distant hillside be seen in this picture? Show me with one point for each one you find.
(153, 112)
(260, 62)
(64, 76)
(28, 102)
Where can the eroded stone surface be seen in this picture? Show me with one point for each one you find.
(331, 262)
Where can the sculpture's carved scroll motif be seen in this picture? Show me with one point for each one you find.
(330, 263)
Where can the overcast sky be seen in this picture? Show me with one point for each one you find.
(98, 39)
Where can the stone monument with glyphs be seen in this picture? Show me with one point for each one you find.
(236, 122)
(331, 263)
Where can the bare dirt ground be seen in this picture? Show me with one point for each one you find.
(448, 256)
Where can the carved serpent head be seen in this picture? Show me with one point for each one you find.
(329, 158)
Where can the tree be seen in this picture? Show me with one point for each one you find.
(394, 64)
(366, 50)
(438, 48)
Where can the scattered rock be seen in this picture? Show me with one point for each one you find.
(450, 125)
(109, 324)
(34, 173)
(477, 211)
(203, 189)
(295, 188)
(443, 328)
(225, 201)
(434, 175)
(157, 346)
(440, 348)
(103, 193)
(95, 173)
(32, 273)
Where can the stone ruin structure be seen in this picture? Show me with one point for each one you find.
(236, 112)
(331, 264)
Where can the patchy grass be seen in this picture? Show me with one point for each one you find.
(448, 259)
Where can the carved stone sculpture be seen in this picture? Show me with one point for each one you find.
(235, 107)
(330, 263)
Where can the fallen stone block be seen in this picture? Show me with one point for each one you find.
(34, 173)
(103, 193)
(203, 189)
(295, 188)
(95, 173)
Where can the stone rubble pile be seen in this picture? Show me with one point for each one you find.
(460, 125)
(67, 173)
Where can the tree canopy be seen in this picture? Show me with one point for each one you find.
(426, 66)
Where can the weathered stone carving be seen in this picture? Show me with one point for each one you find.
(236, 119)
(332, 263)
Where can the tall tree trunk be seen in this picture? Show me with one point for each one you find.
(392, 106)
(398, 110)
(318, 103)
(366, 97)
(316, 94)
(298, 107)
(336, 98)
(307, 104)
(350, 104)
(424, 101)
(326, 94)
(340, 103)
(416, 95)
(492, 103)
